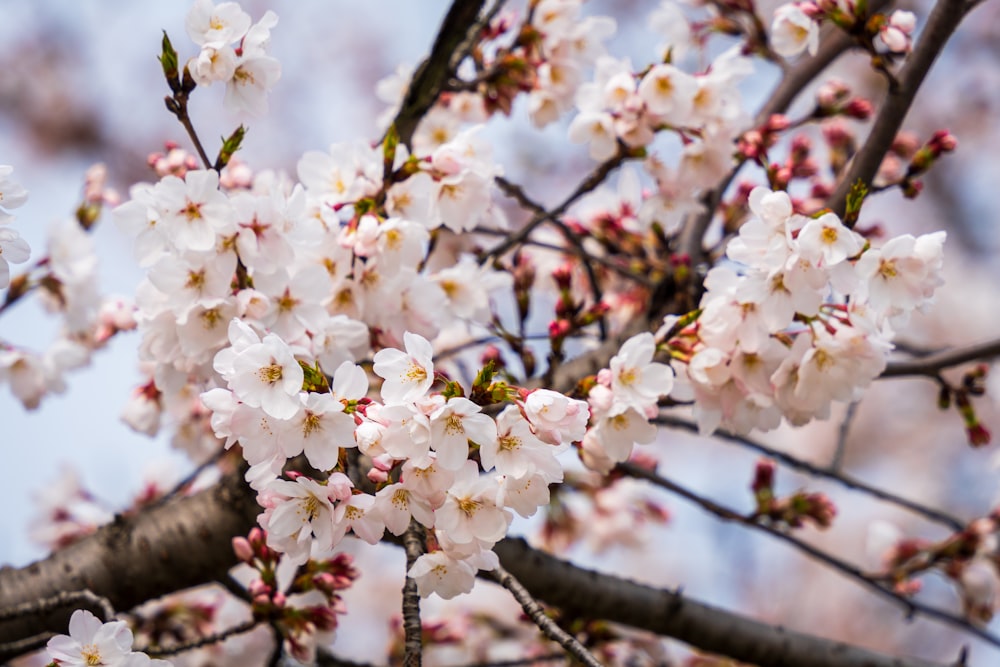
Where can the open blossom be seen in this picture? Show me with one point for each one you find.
(408, 375)
(262, 374)
(211, 24)
(635, 379)
(454, 425)
(91, 642)
(437, 572)
(13, 250)
(903, 274)
(793, 31)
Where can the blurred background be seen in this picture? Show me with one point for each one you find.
(81, 84)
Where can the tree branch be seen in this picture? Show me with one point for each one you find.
(943, 21)
(593, 595)
(182, 543)
(544, 623)
(845, 568)
(186, 542)
(932, 364)
(433, 74)
(413, 544)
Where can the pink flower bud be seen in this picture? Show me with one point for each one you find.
(242, 549)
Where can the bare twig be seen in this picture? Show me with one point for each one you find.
(929, 513)
(595, 178)
(931, 365)
(544, 623)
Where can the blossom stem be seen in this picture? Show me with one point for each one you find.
(544, 623)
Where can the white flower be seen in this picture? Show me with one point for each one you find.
(396, 504)
(668, 92)
(470, 513)
(793, 32)
(265, 375)
(91, 642)
(320, 429)
(903, 274)
(252, 80)
(635, 379)
(12, 194)
(13, 250)
(301, 510)
(408, 375)
(453, 425)
(217, 25)
(516, 450)
(193, 211)
(437, 572)
(825, 241)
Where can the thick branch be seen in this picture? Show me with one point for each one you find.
(413, 544)
(182, 543)
(186, 542)
(432, 75)
(593, 595)
(943, 21)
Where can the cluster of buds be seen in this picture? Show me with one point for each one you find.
(969, 558)
(834, 99)
(792, 511)
(299, 608)
(571, 314)
(940, 143)
(973, 384)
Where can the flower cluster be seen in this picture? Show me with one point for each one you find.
(247, 70)
(66, 282)
(91, 642)
(804, 318)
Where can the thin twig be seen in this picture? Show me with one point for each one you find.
(929, 513)
(159, 651)
(931, 365)
(544, 623)
(413, 543)
(595, 178)
(518, 662)
(577, 251)
(845, 568)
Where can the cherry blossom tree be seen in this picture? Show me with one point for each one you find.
(402, 346)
